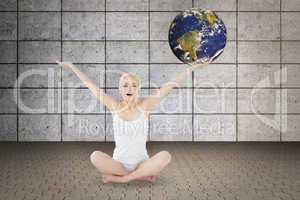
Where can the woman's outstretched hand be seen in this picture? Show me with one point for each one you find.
(64, 64)
(196, 66)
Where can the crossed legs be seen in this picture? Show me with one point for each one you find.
(113, 171)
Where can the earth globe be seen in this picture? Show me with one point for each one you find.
(197, 36)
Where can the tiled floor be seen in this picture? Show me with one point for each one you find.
(197, 171)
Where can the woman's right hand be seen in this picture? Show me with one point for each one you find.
(64, 64)
(204, 64)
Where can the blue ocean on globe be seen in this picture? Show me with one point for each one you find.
(197, 36)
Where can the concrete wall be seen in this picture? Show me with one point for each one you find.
(259, 72)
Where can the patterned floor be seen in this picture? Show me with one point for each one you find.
(269, 171)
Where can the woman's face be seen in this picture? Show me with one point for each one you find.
(128, 88)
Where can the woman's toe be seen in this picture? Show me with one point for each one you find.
(153, 178)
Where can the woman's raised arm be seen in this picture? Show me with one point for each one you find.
(150, 102)
(107, 100)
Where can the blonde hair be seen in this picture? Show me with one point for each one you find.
(134, 76)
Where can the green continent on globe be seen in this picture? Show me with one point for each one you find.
(190, 42)
(209, 16)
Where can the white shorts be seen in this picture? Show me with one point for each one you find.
(132, 166)
(129, 167)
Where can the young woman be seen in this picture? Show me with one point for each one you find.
(130, 160)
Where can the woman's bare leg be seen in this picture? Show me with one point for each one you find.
(110, 167)
(106, 164)
(150, 167)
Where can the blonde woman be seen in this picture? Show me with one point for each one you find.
(130, 160)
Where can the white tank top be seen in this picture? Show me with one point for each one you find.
(130, 138)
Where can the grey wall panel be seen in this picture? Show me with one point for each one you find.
(211, 76)
(127, 5)
(83, 128)
(8, 5)
(8, 51)
(291, 26)
(259, 75)
(214, 128)
(170, 5)
(95, 72)
(259, 128)
(40, 5)
(39, 128)
(39, 101)
(290, 75)
(160, 23)
(39, 26)
(8, 127)
(290, 5)
(8, 101)
(259, 52)
(214, 100)
(290, 51)
(219, 5)
(109, 132)
(257, 72)
(39, 76)
(8, 26)
(229, 18)
(83, 26)
(165, 128)
(178, 101)
(266, 26)
(83, 52)
(160, 52)
(8, 75)
(39, 51)
(290, 127)
(127, 26)
(115, 71)
(257, 5)
(290, 100)
(83, 5)
(229, 53)
(127, 52)
(80, 101)
(163, 73)
(259, 100)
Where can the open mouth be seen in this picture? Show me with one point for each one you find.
(129, 94)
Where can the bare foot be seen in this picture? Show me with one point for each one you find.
(106, 178)
(152, 179)
(148, 178)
